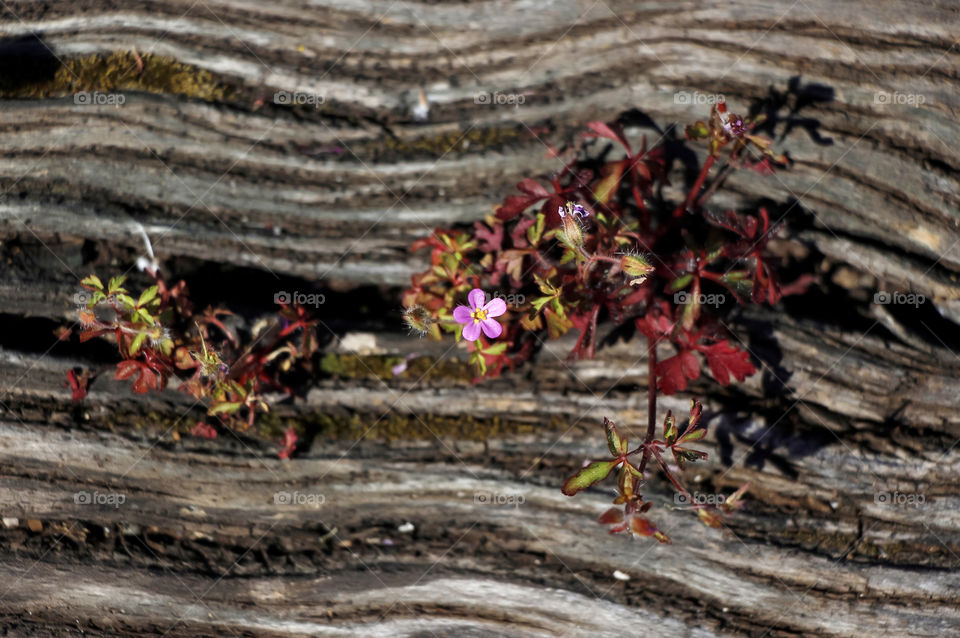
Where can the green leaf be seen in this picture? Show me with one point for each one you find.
(147, 296)
(450, 262)
(593, 473)
(697, 131)
(737, 282)
(539, 302)
(535, 232)
(679, 283)
(627, 481)
(557, 325)
(137, 342)
(616, 443)
(226, 408)
(545, 286)
(611, 173)
(92, 281)
(116, 284)
(695, 435)
(477, 359)
(669, 428)
(499, 348)
(126, 300)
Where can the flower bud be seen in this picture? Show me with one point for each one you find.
(636, 267)
(571, 226)
(418, 319)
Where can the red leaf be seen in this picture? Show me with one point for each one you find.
(587, 324)
(642, 527)
(514, 205)
(126, 369)
(532, 187)
(204, 430)
(611, 516)
(490, 240)
(426, 242)
(87, 335)
(798, 286)
(672, 373)
(289, 444)
(550, 208)
(601, 129)
(766, 287)
(726, 360)
(518, 234)
(146, 381)
(764, 166)
(78, 385)
(654, 325)
(743, 225)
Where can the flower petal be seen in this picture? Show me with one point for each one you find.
(476, 298)
(462, 314)
(471, 331)
(496, 307)
(491, 328)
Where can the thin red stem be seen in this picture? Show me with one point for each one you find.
(697, 185)
(651, 400)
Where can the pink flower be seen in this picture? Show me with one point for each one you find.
(479, 316)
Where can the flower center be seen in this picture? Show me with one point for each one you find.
(479, 315)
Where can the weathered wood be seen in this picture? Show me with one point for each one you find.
(850, 404)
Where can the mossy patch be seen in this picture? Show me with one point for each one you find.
(412, 427)
(122, 71)
(361, 426)
(351, 366)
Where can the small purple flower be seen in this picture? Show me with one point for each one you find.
(578, 209)
(732, 125)
(400, 367)
(479, 316)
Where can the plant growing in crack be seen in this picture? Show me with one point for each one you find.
(631, 476)
(161, 337)
(595, 242)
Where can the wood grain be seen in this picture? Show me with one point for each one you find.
(855, 400)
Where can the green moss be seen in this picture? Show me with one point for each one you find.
(351, 366)
(119, 71)
(350, 426)
(395, 427)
